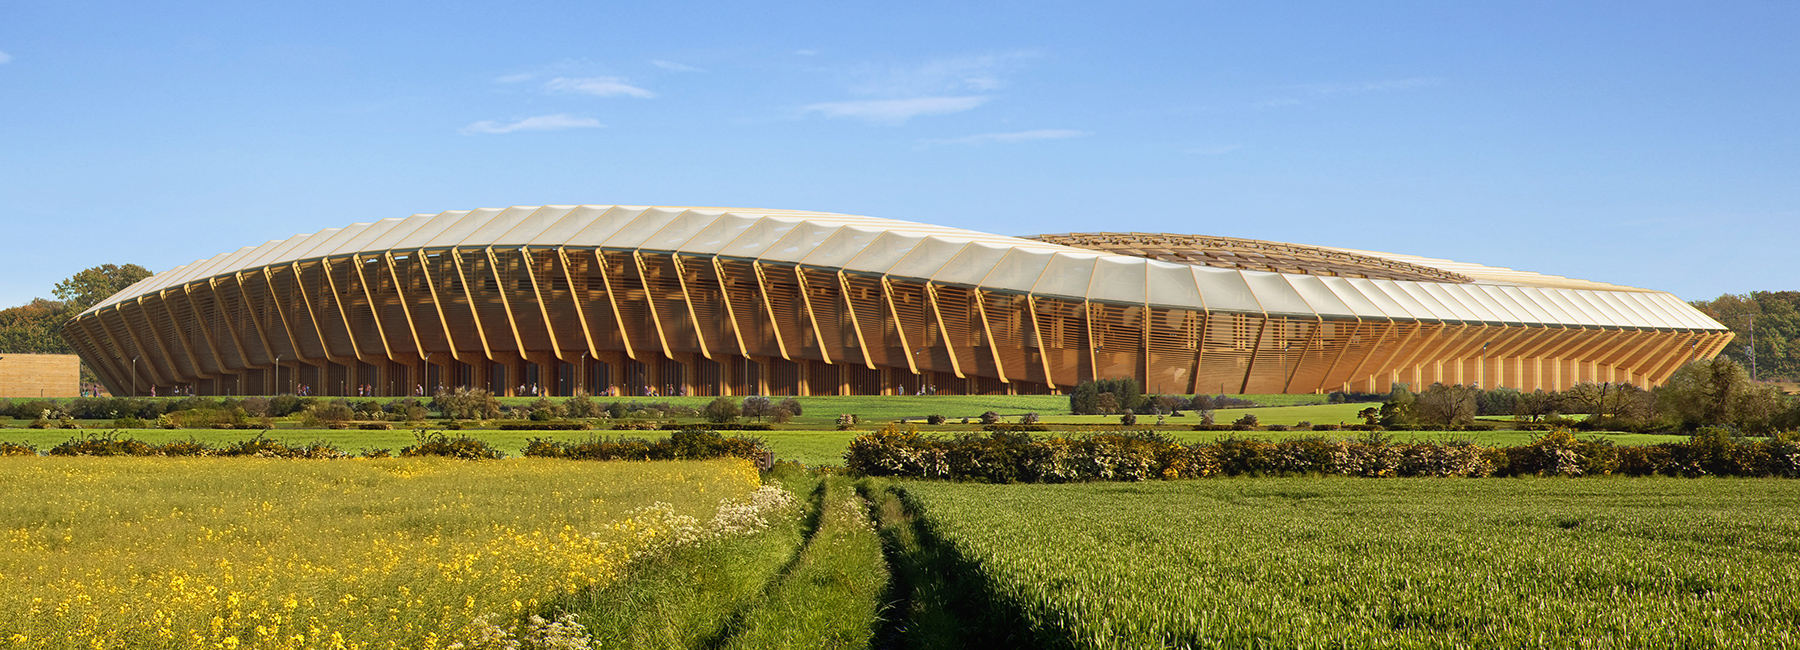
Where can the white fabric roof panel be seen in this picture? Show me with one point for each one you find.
(530, 228)
(1225, 290)
(1068, 275)
(955, 255)
(927, 257)
(1353, 300)
(1172, 285)
(800, 242)
(1319, 296)
(1118, 280)
(1274, 294)
(1376, 296)
(972, 265)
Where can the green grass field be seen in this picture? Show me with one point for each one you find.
(1411, 563)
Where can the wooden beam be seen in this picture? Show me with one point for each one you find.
(613, 299)
(693, 316)
(855, 324)
(650, 302)
(762, 287)
(562, 258)
(730, 311)
(543, 309)
(943, 332)
(412, 327)
(512, 324)
(487, 353)
(988, 331)
(425, 268)
(887, 294)
(806, 300)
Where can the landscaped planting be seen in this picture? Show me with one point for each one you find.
(281, 553)
(1334, 563)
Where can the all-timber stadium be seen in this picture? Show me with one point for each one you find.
(633, 300)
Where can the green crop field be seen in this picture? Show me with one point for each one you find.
(1335, 563)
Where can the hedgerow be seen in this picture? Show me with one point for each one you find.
(1018, 457)
(680, 445)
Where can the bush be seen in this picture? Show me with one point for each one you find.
(1249, 420)
(464, 447)
(721, 410)
(846, 421)
(1325, 427)
(934, 419)
(1029, 418)
(1128, 419)
(581, 406)
(284, 405)
(780, 414)
(990, 417)
(103, 445)
(466, 404)
(756, 406)
(681, 445)
(792, 406)
(17, 449)
(545, 426)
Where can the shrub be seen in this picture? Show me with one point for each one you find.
(284, 405)
(17, 449)
(1325, 427)
(103, 445)
(934, 419)
(262, 447)
(846, 422)
(990, 417)
(464, 447)
(1029, 418)
(721, 410)
(467, 404)
(1128, 419)
(756, 406)
(1277, 427)
(681, 445)
(780, 414)
(1106, 396)
(546, 426)
(544, 409)
(336, 411)
(581, 406)
(792, 406)
(1249, 420)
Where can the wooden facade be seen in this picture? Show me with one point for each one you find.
(553, 319)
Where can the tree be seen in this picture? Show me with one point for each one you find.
(721, 410)
(1775, 318)
(33, 328)
(90, 286)
(1718, 392)
(1442, 405)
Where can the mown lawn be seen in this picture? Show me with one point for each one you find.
(1404, 563)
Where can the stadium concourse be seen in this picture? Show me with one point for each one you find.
(634, 300)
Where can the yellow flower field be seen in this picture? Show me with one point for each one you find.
(253, 553)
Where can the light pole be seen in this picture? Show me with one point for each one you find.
(134, 376)
(277, 374)
(425, 374)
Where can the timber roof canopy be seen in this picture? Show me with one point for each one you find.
(1181, 271)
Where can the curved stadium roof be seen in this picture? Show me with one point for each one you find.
(1184, 271)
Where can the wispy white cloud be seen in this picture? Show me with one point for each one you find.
(599, 86)
(1014, 136)
(894, 111)
(5, 58)
(895, 94)
(1214, 151)
(672, 66)
(553, 122)
(948, 75)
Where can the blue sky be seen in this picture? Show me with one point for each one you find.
(1647, 144)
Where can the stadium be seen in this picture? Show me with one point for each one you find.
(635, 300)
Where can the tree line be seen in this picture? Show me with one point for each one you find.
(1774, 349)
(36, 327)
